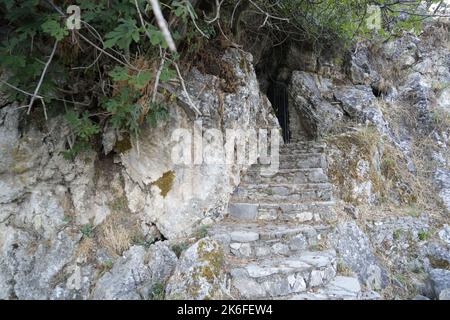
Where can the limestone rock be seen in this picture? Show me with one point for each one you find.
(311, 112)
(440, 282)
(361, 69)
(135, 275)
(199, 275)
(444, 234)
(354, 249)
(444, 295)
(360, 103)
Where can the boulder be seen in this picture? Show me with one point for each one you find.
(136, 275)
(200, 273)
(353, 247)
(440, 282)
(360, 104)
(311, 113)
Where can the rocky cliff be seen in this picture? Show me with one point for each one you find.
(130, 223)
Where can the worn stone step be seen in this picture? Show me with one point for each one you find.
(295, 176)
(340, 288)
(269, 278)
(299, 162)
(284, 192)
(320, 147)
(283, 189)
(255, 240)
(288, 211)
(299, 151)
(308, 143)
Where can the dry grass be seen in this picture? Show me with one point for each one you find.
(86, 249)
(115, 238)
(360, 144)
(116, 234)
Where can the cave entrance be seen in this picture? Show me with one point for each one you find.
(279, 98)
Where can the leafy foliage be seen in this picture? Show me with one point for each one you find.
(103, 73)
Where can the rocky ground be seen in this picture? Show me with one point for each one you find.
(367, 215)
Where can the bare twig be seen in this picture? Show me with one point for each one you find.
(36, 91)
(232, 14)
(158, 75)
(163, 26)
(18, 89)
(218, 5)
(268, 15)
(162, 23)
(107, 53)
(190, 102)
(45, 109)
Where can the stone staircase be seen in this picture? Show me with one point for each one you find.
(273, 236)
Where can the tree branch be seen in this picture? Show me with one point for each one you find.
(36, 91)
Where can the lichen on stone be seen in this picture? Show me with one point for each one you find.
(165, 183)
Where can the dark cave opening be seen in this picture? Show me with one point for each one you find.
(274, 76)
(279, 98)
(274, 69)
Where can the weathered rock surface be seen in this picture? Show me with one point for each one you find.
(199, 275)
(82, 229)
(355, 250)
(440, 282)
(195, 191)
(135, 275)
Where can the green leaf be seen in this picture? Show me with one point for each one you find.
(167, 74)
(123, 35)
(141, 79)
(119, 74)
(54, 29)
(72, 119)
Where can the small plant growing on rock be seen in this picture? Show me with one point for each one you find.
(397, 234)
(106, 266)
(87, 231)
(424, 235)
(157, 292)
(202, 232)
(179, 248)
(140, 240)
(343, 269)
(414, 211)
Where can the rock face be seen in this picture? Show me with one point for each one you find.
(200, 273)
(196, 191)
(311, 113)
(355, 250)
(440, 283)
(136, 274)
(107, 226)
(64, 225)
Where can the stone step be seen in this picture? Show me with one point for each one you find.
(304, 146)
(297, 212)
(299, 142)
(284, 189)
(300, 161)
(295, 176)
(299, 151)
(255, 240)
(274, 277)
(340, 288)
(283, 192)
